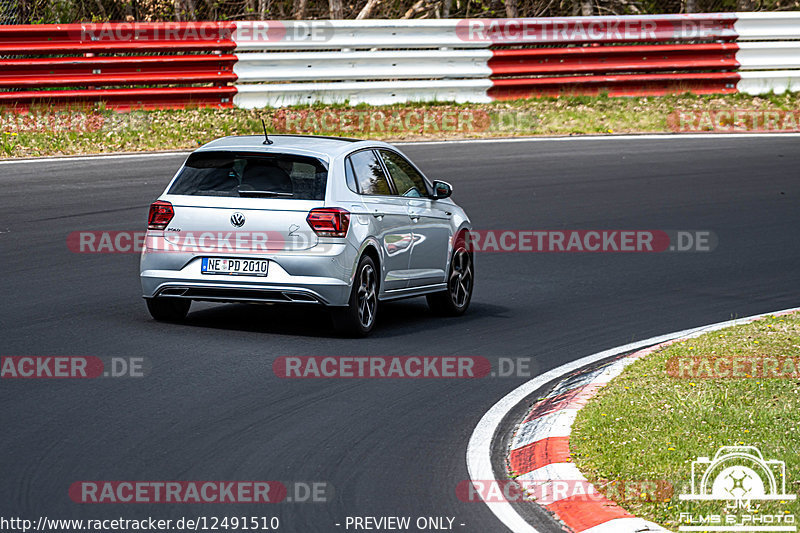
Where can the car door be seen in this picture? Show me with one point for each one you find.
(390, 221)
(430, 221)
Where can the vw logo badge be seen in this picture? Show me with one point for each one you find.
(237, 219)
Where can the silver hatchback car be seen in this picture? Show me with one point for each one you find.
(299, 219)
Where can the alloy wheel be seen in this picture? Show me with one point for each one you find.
(460, 283)
(367, 296)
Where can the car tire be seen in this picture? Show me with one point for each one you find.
(168, 309)
(460, 280)
(358, 318)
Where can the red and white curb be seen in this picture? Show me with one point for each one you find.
(540, 453)
(539, 450)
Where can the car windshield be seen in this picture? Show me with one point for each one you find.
(252, 175)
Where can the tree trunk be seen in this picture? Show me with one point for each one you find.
(299, 9)
(249, 8)
(446, 5)
(191, 11)
(511, 9)
(127, 8)
(262, 9)
(418, 7)
(367, 11)
(586, 8)
(690, 6)
(101, 9)
(336, 9)
(744, 5)
(211, 10)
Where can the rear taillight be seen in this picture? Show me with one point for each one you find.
(160, 214)
(329, 221)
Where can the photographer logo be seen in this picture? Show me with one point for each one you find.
(739, 478)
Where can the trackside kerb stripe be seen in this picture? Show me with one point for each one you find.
(580, 515)
(572, 399)
(577, 513)
(538, 454)
(530, 445)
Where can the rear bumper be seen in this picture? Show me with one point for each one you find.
(309, 278)
(249, 293)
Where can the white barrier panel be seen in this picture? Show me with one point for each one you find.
(767, 26)
(768, 55)
(476, 33)
(349, 34)
(373, 93)
(382, 62)
(762, 82)
(405, 64)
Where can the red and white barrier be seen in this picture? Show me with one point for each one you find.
(192, 66)
(277, 63)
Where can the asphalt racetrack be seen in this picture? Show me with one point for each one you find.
(211, 407)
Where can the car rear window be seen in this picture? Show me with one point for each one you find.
(252, 175)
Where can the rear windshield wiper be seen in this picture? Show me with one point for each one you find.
(267, 194)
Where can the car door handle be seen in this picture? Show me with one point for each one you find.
(378, 214)
(414, 217)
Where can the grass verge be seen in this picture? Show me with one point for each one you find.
(656, 418)
(44, 131)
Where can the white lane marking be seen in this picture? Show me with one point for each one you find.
(625, 137)
(622, 137)
(557, 424)
(570, 384)
(479, 457)
(617, 525)
(544, 479)
(612, 371)
(91, 157)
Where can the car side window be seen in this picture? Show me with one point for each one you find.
(407, 180)
(350, 176)
(369, 173)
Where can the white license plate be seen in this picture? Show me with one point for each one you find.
(235, 267)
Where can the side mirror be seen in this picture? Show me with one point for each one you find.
(441, 189)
